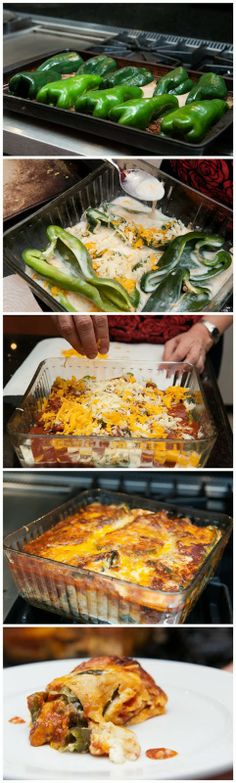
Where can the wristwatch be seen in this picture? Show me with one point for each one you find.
(213, 331)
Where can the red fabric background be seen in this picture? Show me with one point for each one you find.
(149, 328)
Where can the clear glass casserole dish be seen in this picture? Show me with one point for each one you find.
(58, 450)
(90, 597)
(180, 202)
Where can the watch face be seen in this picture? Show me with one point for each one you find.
(215, 334)
(213, 331)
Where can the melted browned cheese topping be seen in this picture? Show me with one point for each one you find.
(152, 549)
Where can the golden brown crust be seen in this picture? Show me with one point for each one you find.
(120, 690)
(154, 550)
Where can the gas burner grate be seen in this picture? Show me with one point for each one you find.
(171, 50)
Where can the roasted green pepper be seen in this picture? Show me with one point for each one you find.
(136, 77)
(79, 275)
(139, 113)
(78, 252)
(167, 293)
(99, 65)
(99, 102)
(192, 122)
(66, 62)
(175, 293)
(28, 83)
(35, 259)
(65, 92)
(210, 85)
(185, 251)
(174, 82)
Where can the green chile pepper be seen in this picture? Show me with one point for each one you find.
(167, 293)
(78, 739)
(64, 93)
(136, 77)
(216, 264)
(35, 259)
(192, 122)
(99, 65)
(66, 62)
(176, 293)
(174, 82)
(28, 83)
(95, 216)
(193, 298)
(139, 113)
(99, 102)
(179, 252)
(210, 85)
(112, 290)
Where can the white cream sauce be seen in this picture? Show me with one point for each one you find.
(118, 258)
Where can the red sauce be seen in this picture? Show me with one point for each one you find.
(16, 719)
(160, 753)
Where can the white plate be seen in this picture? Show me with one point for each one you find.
(198, 724)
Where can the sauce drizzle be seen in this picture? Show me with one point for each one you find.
(160, 753)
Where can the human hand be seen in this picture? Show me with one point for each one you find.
(191, 346)
(88, 334)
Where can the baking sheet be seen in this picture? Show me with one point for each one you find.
(143, 140)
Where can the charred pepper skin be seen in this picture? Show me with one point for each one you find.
(64, 93)
(99, 65)
(27, 84)
(136, 77)
(192, 122)
(174, 82)
(100, 102)
(139, 113)
(210, 85)
(65, 62)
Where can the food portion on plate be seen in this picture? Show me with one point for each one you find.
(170, 104)
(125, 256)
(87, 711)
(188, 735)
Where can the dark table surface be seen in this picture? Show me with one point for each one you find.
(221, 455)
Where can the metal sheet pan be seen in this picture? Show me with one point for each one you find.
(141, 140)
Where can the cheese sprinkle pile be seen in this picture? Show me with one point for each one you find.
(122, 406)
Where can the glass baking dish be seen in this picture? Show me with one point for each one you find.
(58, 450)
(102, 185)
(86, 596)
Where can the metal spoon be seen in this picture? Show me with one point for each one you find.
(139, 184)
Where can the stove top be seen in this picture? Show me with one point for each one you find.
(13, 23)
(172, 50)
